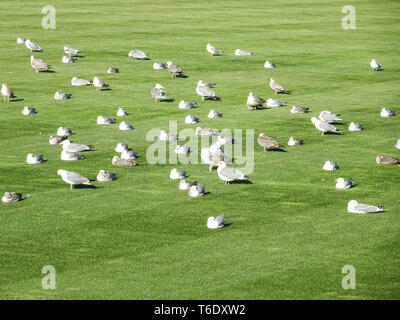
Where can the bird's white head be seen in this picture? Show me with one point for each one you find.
(314, 120)
(262, 134)
(250, 94)
(352, 203)
(270, 79)
(340, 180)
(65, 142)
(60, 172)
(221, 164)
(169, 63)
(159, 86)
(3, 85)
(200, 83)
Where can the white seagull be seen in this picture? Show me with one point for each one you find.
(191, 119)
(216, 222)
(329, 117)
(214, 114)
(73, 178)
(38, 64)
(125, 126)
(269, 65)
(71, 51)
(159, 65)
(176, 174)
(196, 190)
(213, 50)
(375, 65)
(275, 103)
(344, 183)
(387, 112)
(34, 158)
(66, 59)
(79, 82)
(323, 126)
(229, 174)
(128, 155)
(330, 166)
(354, 207)
(165, 136)
(7, 93)
(104, 120)
(184, 149)
(61, 95)
(70, 156)
(32, 46)
(64, 131)
(137, 54)
(186, 104)
(99, 84)
(158, 92)
(104, 176)
(75, 147)
(121, 112)
(121, 147)
(239, 52)
(355, 126)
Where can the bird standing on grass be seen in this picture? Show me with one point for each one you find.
(7, 93)
(277, 87)
(73, 178)
(253, 102)
(174, 70)
(38, 64)
(267, 143)
(229, 174)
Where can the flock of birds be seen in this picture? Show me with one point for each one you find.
(213, 156)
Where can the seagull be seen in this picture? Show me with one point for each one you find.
(174, 70)
(105, 176)
(206, 93)
(298, 109)
(387, 113)
(267, 143)
(39, 64)
(201, 83)
(138, 54)
(216, 222)
(185, 185)
(104, 120)
(196, 190)
(182, 149)
(61, 95)
(275, 103)
(344, 183)
(354, 207)
(355, 126)
(112, 70)
(329, 117)
(32, 46)
(330, 166)
(253, 102)
(73, 178)
(269, 65)
(186, 104)
(121, 147)
(294, 142)
(121, 112)
(7, 93)
(34, 158)
(229, 174)
(79, 82)
(164, 136)
(277, 87)
(70, 156)
(206, 131)
(214, 114)
(128, 155)
(158, 92)
(323, 126)
(71, 51)
(397, 145)
(225, 140)
(99, 84)
(213, 50)
(75, 147)
(21, 40)
(387, 160)
(177, 174)
(11, 197)
(66, 59)
(64, 131)
(125, 126)
(239, 52)
(191, 119)
(216, 146)
(214, 158)
(159, 65)
(117, 161)
(375, 65)
(56, 139)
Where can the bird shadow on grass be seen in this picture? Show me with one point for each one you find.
(167, 100)
(241, 182)
(84, 186)
(276, 150)
(227, 225)
(184, 76)
(47, 71)
(106, 89)
(16, 100)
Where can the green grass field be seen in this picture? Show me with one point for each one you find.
(139, 237)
